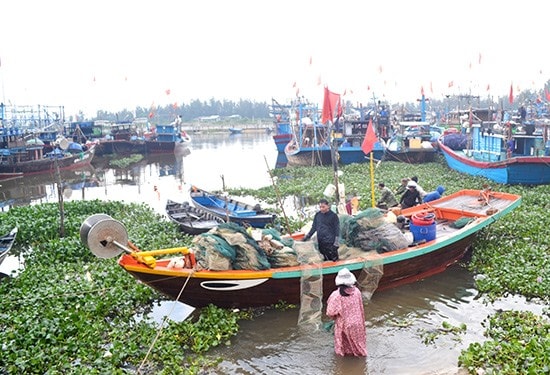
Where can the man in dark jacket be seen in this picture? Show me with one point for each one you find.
(327, 226)
(411, 197)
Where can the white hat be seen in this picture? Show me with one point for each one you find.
(345, 277)
(411, 184)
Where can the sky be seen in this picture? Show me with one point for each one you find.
(118, 54)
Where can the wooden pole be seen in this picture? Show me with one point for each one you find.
(278, 194)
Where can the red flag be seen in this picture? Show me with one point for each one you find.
(547, 94)
(331, 103)
(370, 139)
(167, 92)
(511, 96)
(488, 87)
(451, 83)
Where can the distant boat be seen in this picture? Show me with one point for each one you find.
(165, 139)
(282, 131)
(412, 143)
(6, 243)
(32, 160)
(507, 158)
(311, 140)
(235, 130)
(230, 209)
(350, 142)
(191, 220)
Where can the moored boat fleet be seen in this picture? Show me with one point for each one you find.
(43, 142)
(501, 148)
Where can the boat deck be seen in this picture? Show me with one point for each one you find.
(470, 204)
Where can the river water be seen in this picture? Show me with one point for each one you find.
(400, 322)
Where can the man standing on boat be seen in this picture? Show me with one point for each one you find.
(327, 225)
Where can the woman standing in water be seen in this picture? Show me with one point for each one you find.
(345, 306)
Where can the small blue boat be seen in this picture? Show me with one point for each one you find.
(230, 209)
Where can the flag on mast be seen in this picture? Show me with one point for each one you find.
(370, 139)
(331, 104)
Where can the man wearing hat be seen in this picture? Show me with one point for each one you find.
(411, 197)
(345, 306)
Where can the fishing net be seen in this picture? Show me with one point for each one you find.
(213, 252)
(311, 284)
(370, 276)
(382, 239)
(248, 255)
(276, 235)
(277, 253)
(311, 305)
(461, 222)
(372, 230)
(229, 246)
(456, 141)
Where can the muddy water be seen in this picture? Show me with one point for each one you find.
(398, 321)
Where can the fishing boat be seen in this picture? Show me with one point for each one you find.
(282, 131)
(122, 139)
(165, 139)
(230, 209)
(413, 139)
(235, 130)
(412, 143)
(311, 140)
(32, 160)
(6, 243)
(505, 157)
(191, 220)
(457, 218)
(351, 140)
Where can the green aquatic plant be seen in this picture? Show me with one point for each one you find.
(518, 343)
(72, 313)
(126, 161)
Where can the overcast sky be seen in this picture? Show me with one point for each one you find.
(116, 54)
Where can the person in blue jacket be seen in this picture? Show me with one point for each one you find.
(432, 196)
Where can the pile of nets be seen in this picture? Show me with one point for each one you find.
(456, 141)
(279, 251)
(230, 247)
(369, 230)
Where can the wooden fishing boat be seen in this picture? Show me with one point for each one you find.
(230, 209)
(412, 143)
(442, 246)
(282, 130)
(6, 243)
(32, 160)
(191, 220)
(513, 158)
